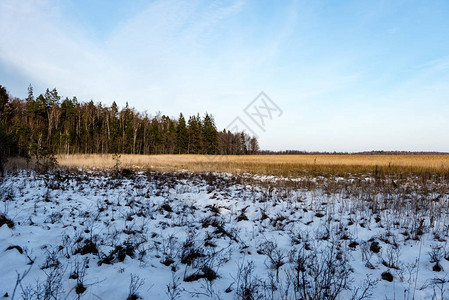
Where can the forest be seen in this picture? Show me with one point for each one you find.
(50, 123)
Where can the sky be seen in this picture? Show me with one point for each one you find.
(340, 75)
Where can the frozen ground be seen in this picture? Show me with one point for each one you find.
(181, 236)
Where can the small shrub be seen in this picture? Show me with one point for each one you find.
(248, 285)
(118, 254)
(88, 247)
(436, 254)
(135, 284)
(190, 253)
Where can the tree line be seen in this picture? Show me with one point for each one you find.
(49, 123)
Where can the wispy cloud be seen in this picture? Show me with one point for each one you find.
(343, 73)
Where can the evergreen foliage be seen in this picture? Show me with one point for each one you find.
(182, 135)
(49, 123)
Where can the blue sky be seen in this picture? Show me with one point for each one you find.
(348, 75)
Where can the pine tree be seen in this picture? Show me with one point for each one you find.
(4, 137)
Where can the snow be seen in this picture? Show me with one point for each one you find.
(155, 213)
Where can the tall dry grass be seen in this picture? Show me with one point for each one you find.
(284, 165)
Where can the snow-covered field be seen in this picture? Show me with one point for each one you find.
(94, 235)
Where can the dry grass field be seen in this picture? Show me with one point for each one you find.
(284, 165)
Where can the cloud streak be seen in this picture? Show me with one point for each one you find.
(334, 75)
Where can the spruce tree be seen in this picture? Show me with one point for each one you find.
(182, 135)
(30, 93)
(210, 135)
(194, 129)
